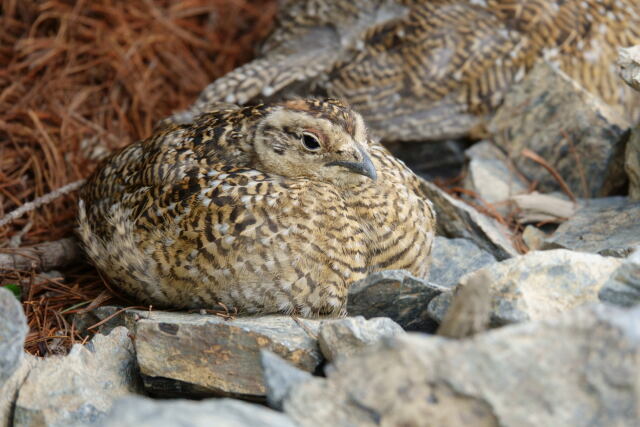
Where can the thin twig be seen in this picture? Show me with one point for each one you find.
(542, 162)
(43, 200)
(106, 319)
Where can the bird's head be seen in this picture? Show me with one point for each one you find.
(323, 140)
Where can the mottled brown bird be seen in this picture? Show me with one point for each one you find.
(269, 208)
(430, 69)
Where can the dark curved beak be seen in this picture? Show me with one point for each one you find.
(365, 167)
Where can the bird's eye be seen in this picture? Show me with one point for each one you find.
(310, 142)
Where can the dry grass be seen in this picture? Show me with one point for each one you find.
(81, 78)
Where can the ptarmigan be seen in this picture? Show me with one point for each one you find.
(433, 69)
(268, 209)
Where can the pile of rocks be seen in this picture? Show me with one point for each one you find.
(561, 357)
(563, 340)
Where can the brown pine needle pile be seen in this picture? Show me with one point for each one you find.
(77, 80)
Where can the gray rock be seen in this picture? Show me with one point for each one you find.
(280, 377)
(453, 258)
(13, 330)
(81, 386)
(578, 134)
(490, 177)
(457, 219)
(395, 294)
(632, 164)
(580, 369)
(609, 226)
(9, 389)
(345, 337)
(197, 355)
(539, 285)
(623, 288)
(144, 412)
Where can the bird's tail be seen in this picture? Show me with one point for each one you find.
(119, 256)
(91, 243)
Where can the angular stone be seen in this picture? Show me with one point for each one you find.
(490, 177)
(345, 337)
(81, 386)
(457, 219)
(580, 369)
(453, 258)
(579, 135)
(608, 226)
(201, 355)
(623, 288)
(280, 377)
(539, 285)
(144, 412)
(395, 294)
(13, 330)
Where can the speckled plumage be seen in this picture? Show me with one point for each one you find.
(235, 208)
(431, 69)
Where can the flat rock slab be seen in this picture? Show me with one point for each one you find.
(457, 219)
(578, 134)
(13, 330)
(539, 285)
(81, 386)
(580, 369)
(144, 412)
(453, 258)
(202, 355)
(608, 226)
(395, 294)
